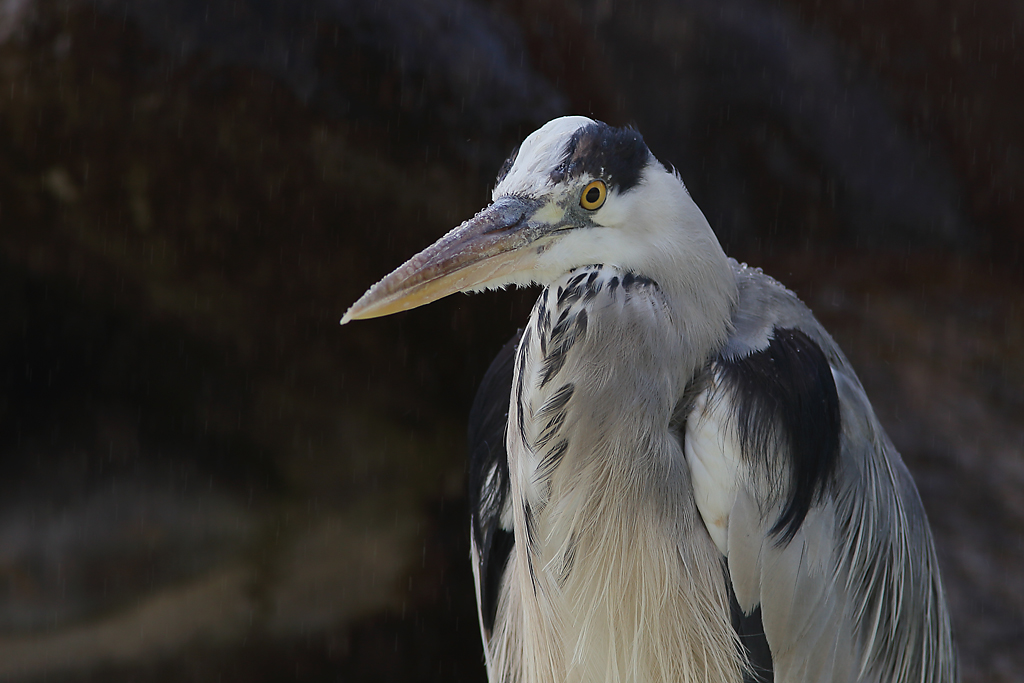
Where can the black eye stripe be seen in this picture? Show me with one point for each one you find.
(618, 155)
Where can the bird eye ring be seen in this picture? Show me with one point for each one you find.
(593, 195)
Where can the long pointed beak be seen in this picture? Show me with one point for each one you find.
(490, 247)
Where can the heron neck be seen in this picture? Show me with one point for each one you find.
(595, 476)
(694, 274)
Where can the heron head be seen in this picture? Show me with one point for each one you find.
(576, 192)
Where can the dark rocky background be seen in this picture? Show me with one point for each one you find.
(206, 479)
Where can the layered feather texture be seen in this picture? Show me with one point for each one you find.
(600, 588)
(631, 486)
(681, 478)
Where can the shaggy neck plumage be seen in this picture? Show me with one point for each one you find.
(600, 588)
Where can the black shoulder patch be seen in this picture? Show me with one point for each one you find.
(488, 492)
(789, 386)
(617, 155)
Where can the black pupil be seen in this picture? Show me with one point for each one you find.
(592, 195)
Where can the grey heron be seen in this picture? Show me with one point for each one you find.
(675, 474)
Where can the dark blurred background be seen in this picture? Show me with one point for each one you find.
(205, 478)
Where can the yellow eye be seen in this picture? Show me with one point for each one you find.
(593, 195)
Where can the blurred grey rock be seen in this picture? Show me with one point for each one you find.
(63, 561)
(447, 64)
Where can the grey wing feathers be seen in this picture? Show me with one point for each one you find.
(489, 481)
(837, 555)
